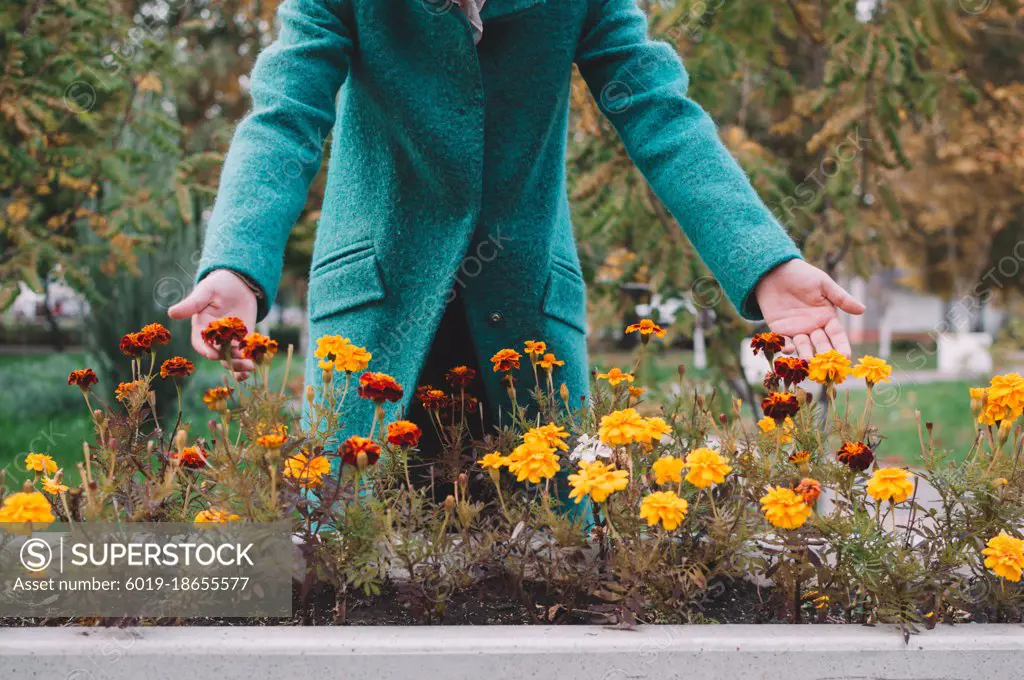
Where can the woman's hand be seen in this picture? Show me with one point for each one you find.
(799, 302)
(222, 293)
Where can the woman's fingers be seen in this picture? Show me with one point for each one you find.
(803, 346)
(837, 334)
(820, 340)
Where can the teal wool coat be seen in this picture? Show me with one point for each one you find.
(447, 173)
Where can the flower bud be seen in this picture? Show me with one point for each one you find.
(180, 440)
(723, 419)
(681, 369)
(563, 392)
(99, 416)
(328, 374)
(463, 480)
(449, 503)
(1005, 427)
(310, 394)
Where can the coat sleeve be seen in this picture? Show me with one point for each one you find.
(640, 86)
(277, 148)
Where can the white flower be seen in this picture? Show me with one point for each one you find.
(590, 449)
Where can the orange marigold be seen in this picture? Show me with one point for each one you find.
(126, 390)
(177, 367)
(535, 348)
(549, 361)
(258, 347)
(809, 489)
(155, 334)
(135, 345)
(505, 360)
(83, 377)
(216, 398)
(646, 328)
(404, 433)
(460, 377)
(379, 387)
(222, 332)
(190, 457)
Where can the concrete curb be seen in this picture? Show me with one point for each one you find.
(750, 652)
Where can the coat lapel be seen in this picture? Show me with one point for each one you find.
(499, 9)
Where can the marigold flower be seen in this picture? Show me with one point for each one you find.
(785, 508)
(222, 332)
(657, 430)
(979, 395)
(41, 463)
(533, 462)
(339, 353)
(431, 399)
(272, 441)
(856, 456)
(1004, 398)
(379, 387)
(798, 457)
(355, 447)
(791, 370)
(216, 398)
(404, 433)
(54, 486)
(706, 467)
(308, 471)
(534, 348)
(768, 426)
(668, 469)
(460, 377)
(127, 391)
(769, 343)
(619, 428)
(135, 345)
(215, 516)
(872, 370)
(890, 484)
(26, 507)
(597, 480)
(636, 392)
(780, 405)
(494, 461)
(664, 507)
(548, 435)
(646, 328)
(505, 360)
(1004, 555)
(829, 367)
(548, 362)
(177, 367)
(83, 377)
(809, 489)
(192, 457)
(615, 376)
(258, 348)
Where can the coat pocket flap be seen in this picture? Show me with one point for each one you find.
(565, 298)
(353, 283)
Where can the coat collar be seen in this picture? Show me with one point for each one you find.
(498, 9)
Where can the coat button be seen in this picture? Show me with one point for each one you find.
(494, 318)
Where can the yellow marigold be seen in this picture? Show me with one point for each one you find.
(619, 428)
(1004, 555)
(307, 471)
(216, 398)
(657, 429)
(494, 461)
(706, 467)
(664, 507)
(53, 485)
(535, 348)
(215, 516)
(352, 359)
(829, 367)
(27, 506)
(1004, 399)
(533, 462)
(548, 361)
(785, 508)
(597, 480)
(646, 327)
(272, 441)
(41, 463)
(768, 426)
(891, 484)
(505, 360)
(615, 376)
(872, 370)
(668, 469)
(548, 435)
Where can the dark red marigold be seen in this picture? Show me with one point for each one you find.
(780, 405)
(134, 345)
(460, 377)
(791, 370)
(83, 377)
(769, 343)
(431, 399)
(856, 456)
(379, 387)
(177, 367)
(356, 445)
(222, 332)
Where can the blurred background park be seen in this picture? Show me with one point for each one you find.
(887, 135)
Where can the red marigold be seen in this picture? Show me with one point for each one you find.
(379, 387)
(505, 360)
(791, 370)
(769, 343)
(83, 377)
(222, 332)
(404, 433)
(135, 344)
(780, 405)
(177, 367)
(460, 377)
(259, 348)
(356, 445)
(809, 489)
(430, 398)
(190, 457)
(156, 334)
(856, 456)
